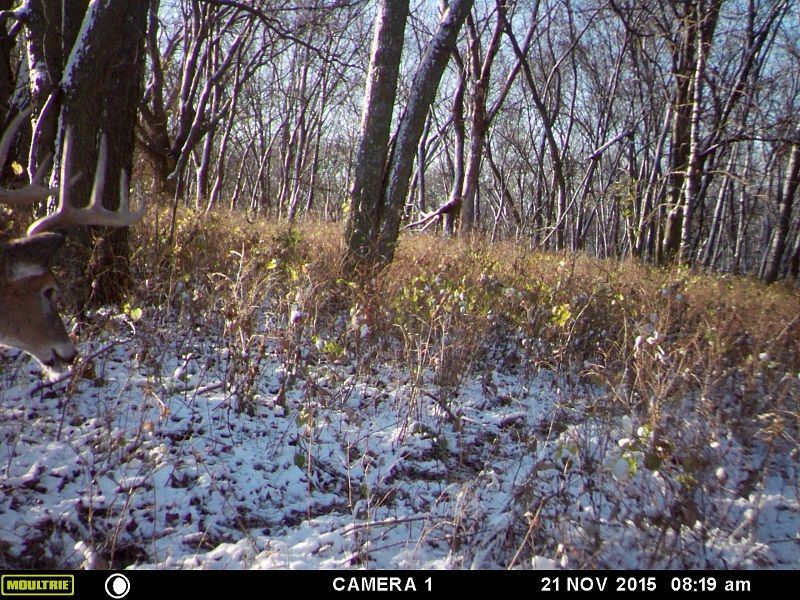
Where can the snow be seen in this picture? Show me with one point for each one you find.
(81, 45)
(146, 462)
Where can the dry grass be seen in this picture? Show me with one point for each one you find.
(622, 323)
(652, 337)
(692, 357)
(688, 358)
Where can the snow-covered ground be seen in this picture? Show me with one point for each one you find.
(354, 462)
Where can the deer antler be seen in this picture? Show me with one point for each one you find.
(33, 192)
(29, 317)
(95, 213)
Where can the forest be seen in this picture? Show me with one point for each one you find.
(664, 131)
(426, 284)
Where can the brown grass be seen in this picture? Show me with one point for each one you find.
(652, 336)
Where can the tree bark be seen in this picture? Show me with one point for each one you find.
(412, 122)
(371, 157)
(459, 135)
(785, 203)
(683, 65)
(49, 35)
(7, 79)
(479, 124)
(102, 88)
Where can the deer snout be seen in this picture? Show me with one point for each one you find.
(29, 316)
(54, 350)
(59, 349)
(61, 354)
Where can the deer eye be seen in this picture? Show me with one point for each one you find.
(51, 294)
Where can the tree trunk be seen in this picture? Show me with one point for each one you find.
(684, 63)
(370, 161)
(695, 159)
(454, 201)
(785, 202)
(479, 123)
(46, 57)
(412, 122)
(102, 89)
(7, 79)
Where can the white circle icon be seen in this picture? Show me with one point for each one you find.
(117, 586)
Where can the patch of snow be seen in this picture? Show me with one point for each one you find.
(344, 466)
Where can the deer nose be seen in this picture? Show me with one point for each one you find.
(61, 354)
(66, 352)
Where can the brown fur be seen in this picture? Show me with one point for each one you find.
(29, 293)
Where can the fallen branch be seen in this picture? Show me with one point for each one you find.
(443, 209)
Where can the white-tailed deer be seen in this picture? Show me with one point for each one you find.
(29, 293)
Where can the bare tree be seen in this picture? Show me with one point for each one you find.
(210, 41)
(412, 122)
(775, 253)
(373, 148)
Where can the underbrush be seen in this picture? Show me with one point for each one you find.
(652, 336)
(680, 365)
(472, 405)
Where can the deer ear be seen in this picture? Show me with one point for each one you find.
(35, 249)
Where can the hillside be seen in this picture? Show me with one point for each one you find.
(473, 406)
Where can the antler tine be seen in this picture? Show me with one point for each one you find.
(8, 135)
(95, 213)
(33, 192)
(125, 199)
(99, 186)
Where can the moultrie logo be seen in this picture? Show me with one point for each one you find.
(37, 585)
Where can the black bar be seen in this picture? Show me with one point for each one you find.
(230, 585)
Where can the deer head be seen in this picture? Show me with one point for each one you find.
(29, 293)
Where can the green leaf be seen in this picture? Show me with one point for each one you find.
(561, 315)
